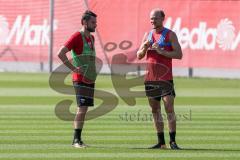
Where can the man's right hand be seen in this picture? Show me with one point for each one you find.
(146, 44)
(77, 70)
(144, 47)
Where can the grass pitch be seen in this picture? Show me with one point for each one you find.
(208, 125)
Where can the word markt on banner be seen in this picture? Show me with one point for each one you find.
(24, 32)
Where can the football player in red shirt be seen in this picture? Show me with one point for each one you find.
(160, 46)
(81, 45)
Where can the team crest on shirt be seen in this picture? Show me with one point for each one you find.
(82, 100)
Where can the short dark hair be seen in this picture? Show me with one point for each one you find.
(87, 15)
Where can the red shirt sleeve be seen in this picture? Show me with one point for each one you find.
(75, 43)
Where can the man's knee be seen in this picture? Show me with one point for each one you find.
(155, 105)
(156, 110)
(169, 104)
(82, 110)
(169, 109)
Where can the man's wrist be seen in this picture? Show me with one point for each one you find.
(161, 51)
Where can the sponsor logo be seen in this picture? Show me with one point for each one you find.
(202, 37)
(23, 32)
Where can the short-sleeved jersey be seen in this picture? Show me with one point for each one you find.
(75, 43)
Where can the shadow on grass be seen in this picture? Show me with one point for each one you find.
(168, 149)
(211, 149)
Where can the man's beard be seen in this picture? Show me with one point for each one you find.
(91, 29)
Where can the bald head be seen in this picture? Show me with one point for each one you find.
(157, 13)
(156, 18)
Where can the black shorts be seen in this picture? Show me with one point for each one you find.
(84, 93)
(158, 89)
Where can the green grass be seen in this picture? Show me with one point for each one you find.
(208, 112)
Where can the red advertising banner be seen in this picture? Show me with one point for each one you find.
(208, 31)
(25, 28)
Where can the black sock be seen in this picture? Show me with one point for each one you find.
(77, 134)
(172, 136)
(161, 139)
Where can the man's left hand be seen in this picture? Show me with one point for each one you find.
(156, 47)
